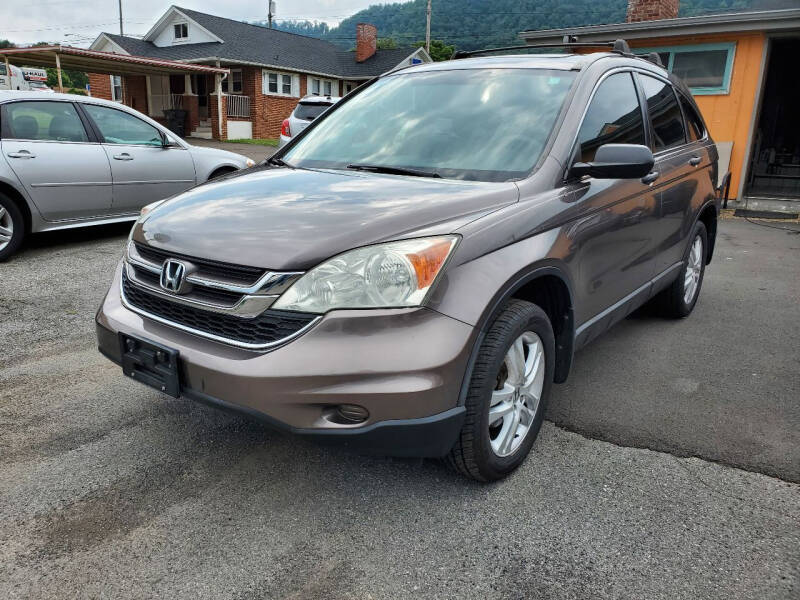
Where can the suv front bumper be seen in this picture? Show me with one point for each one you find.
(405, 366)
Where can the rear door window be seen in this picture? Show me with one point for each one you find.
(694, 124)
(613, 117)
(45, 121)
(665, 114)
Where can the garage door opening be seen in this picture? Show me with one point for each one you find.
(775, 164)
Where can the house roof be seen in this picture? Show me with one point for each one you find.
(252, 44)
(95, 61)
(759, 20)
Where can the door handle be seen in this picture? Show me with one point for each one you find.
(695, 160)
(650, 177)
(21, 154)
(123, 156)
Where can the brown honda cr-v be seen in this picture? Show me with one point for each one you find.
(413, 272)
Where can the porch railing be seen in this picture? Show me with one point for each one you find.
(161, 102)
(238, 106)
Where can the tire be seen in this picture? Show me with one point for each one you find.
(11, 221)
(481, 451)
(672, 302)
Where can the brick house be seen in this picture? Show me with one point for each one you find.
(270, 71)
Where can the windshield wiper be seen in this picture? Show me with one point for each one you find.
(393, 170)
(279, 162)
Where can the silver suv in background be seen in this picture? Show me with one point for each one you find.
(69, 161)
(308, 109)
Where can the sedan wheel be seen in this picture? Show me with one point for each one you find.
(12, 227)
(6, 228)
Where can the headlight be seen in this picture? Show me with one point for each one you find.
(391, 275)
(249, 163)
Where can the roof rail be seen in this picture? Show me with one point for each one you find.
(618, 46)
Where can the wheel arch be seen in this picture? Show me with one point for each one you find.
(708, 215)
(547, 286)
(221, 170)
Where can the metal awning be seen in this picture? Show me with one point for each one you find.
(95, 61)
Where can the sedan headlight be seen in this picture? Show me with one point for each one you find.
(390, 275)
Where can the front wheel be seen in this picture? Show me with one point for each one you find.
(507, 394)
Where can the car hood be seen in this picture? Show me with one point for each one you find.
(220, 154)
(287, 219)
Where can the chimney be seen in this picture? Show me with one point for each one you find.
(652, 10)
(366, 41)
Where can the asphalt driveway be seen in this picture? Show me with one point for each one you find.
(108, 489)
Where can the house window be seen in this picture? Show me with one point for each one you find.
(705, 68)
(235, 82)
(116, 88)
(181, 31)
(281, 84)
(323, 87)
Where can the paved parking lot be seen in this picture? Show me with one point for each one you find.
(669, 468)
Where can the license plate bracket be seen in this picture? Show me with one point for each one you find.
(150, 363)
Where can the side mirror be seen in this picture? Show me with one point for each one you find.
(617, 161)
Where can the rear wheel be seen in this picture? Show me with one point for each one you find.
(678, 300)
(507, 394)
(12, 227)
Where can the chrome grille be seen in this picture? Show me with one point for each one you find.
(236, 274)
(270, 328)
(228, 303)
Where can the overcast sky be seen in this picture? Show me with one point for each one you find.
(78, 22)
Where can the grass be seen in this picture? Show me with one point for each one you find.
(259, 142)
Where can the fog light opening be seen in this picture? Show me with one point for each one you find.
(349, 414)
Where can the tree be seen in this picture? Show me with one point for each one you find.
(386, 43)
(7, 44)
(439, 50)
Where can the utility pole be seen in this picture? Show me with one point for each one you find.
(270, 10)
(120, 18)
(427, 29)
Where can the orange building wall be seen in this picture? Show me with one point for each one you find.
(728, 116)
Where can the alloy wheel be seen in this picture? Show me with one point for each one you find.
(6, 228)
(517, 393)
(694, 267)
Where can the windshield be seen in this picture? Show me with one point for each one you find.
(310, 111)
(477, 124)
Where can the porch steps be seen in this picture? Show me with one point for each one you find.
(203, 131)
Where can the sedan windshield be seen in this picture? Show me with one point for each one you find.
(476, 124)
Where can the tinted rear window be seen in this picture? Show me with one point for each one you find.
(310, 111)
(665, 114)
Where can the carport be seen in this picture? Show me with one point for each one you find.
(95, 61)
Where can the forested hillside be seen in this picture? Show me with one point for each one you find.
(471, 24)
